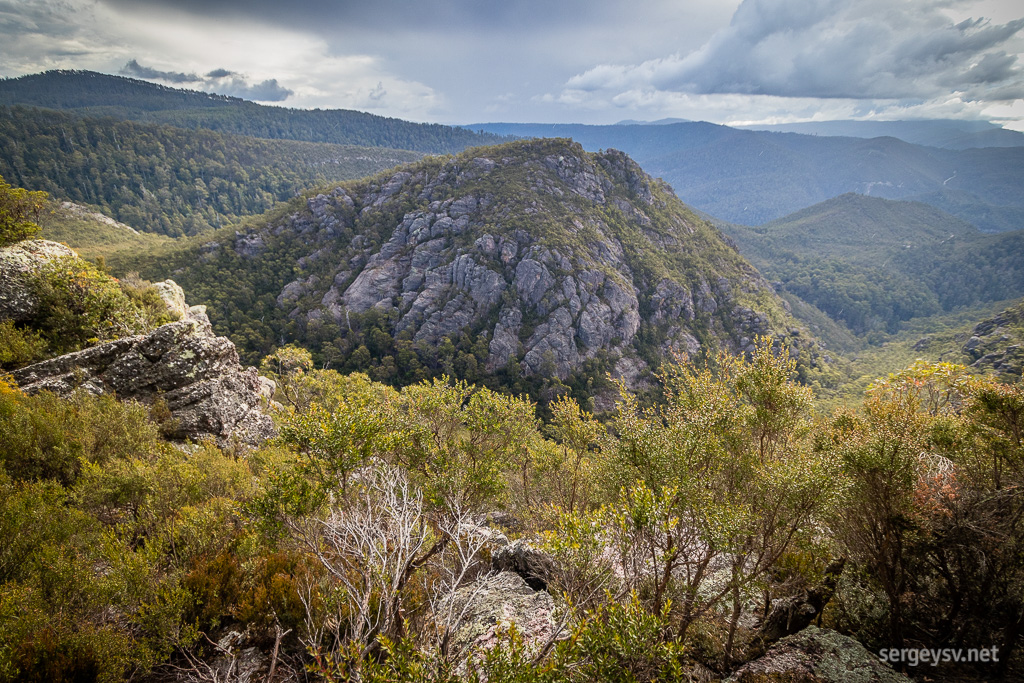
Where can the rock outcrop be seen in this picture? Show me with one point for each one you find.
(197, 375)
(997, 344)
(543, 255)
(496, 602)
(18, 264)
(817, 655)
(519, 557)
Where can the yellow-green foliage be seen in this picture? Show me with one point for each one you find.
(44, 437)
(19, 210)
(666, 526)
(80, 305)
(20, 346)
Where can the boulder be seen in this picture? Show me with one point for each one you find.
(817, 655)
(197, 375)
(18, 263)
(173, 297)
(533, 565)
(493, 604)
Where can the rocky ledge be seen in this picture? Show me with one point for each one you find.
(195, 373)
(997, 344)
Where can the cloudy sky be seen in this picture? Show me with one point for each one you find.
(589, 61)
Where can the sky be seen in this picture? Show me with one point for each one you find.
(568, 61)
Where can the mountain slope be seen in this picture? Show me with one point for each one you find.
(528, 265)
(94, 94)
(169, 180)
(753, 177)
(873, 263)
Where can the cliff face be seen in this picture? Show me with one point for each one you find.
(550, 255)
(996, 345)
(197, 375)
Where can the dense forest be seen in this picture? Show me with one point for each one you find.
(94, 94)
(167, 180)
(874, 264)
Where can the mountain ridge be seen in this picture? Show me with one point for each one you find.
(533, 264)
(94, 94)
(753, 177)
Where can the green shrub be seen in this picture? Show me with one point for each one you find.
(19, 210)
(19, 346)
(46, 437)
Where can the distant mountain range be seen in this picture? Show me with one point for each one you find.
(741, 176)
(947, 133)
(753, 177)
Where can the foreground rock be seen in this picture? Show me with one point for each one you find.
(197, 375)
(492, 604)
(817, 656)
(18, 264)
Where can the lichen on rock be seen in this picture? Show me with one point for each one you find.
(197, 375)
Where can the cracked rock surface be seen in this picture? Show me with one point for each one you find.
(197, 374)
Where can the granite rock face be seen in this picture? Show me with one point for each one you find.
(197, 374)
(550, 258)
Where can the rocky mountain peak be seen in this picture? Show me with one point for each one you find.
(550, 255)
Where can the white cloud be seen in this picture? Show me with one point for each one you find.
(249, 60)
(887, 51)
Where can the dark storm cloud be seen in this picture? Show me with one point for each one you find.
(133, 68)
(317, 15)
(832, 49)
(266, 91)
(219, 81)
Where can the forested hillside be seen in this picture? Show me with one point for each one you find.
(167, 180)
(95, 94)
(874, 263)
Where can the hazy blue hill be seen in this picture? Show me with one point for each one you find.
(752, 177)
(865, 230)
(988, 217)
(95, 94)
(948, 133)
